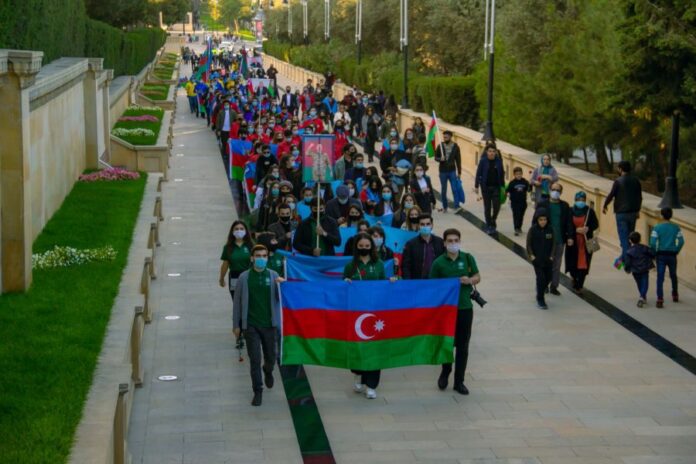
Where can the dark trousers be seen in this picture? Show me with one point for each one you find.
(369, 378)
(260, 339)
(224, 137)
(642, 281)
(543, 274)
(518, 211)
(579, 276)
(462, 335)
(491, 204)
(666, 262)
(193, 104)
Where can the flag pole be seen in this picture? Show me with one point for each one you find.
(318, 206)
(437, 132)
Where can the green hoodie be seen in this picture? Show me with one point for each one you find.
(666, 238)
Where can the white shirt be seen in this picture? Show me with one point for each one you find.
(422, 183)
(226, 124)
(342, 116)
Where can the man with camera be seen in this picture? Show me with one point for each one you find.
(457, 263)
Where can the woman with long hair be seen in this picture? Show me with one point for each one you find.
(236, 254)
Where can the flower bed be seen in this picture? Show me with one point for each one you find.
(155, 91)
(64, 256)
(139, 125)
(110, 174)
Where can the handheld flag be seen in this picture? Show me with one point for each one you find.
(312, 269)
(369, 325)
(432, 135)
(239, 155)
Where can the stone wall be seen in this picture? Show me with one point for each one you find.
(55, 123)
(573, 179)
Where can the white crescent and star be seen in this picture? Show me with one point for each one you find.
(378, 326)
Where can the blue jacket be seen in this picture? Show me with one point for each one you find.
(666, 238)
(482, 172)
(638, 259)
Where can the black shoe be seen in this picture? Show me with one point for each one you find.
(268, 379)
(554, 291)
(461, 389)
(542, 305)
(442, 381)
(546, 290)
(257, 399)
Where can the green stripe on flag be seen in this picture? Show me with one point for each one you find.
(368, 355)
(430, 140)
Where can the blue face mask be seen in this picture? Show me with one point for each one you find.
(379, 241)
(580, 204)
(308, 200)
(359, 165)
(275, 192)
(387, 196)
(425, 230)
(250, 130)
(260, 263)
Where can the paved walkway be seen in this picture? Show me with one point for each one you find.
(568, 385)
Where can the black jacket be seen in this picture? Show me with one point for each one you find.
(335, 209)
(303, 236)
(540, 243)
(482, 172)
(413, 254)
(626, 193)
(566, 230)
(280, 229)
(425, 200)
(571, 252)
(453, 163)
(638, 259)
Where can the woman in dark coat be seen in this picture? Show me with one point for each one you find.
(584, 222)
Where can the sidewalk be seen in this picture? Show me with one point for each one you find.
(205, 416)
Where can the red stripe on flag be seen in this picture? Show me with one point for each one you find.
(356, 326)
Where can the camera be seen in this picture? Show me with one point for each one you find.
(476, 296)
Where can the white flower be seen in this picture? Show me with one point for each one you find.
(63, 256)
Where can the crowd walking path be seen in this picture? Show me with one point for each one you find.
(568, 385)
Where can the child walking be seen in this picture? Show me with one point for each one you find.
(517, 191)
(666, 241)
(540, 245)
(638, 261)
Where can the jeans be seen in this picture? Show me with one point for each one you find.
(193, 104)
(462, 335)
(543, 277)
(642, 281)
(260, 339)
(669, 262)
(450, 176)
(556, 266)
(625, 224)
(491, 205)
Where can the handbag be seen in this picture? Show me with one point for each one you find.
(591, 244)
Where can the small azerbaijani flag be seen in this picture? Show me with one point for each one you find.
(239, 155)
(249, 184)
(432, 135)
(369, 325)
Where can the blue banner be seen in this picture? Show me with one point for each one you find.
(384, 221)
(310, 268)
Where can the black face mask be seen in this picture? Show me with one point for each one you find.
(273, 247)
(284, 218)
(354, 218)
(364, 251)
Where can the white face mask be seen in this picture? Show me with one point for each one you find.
(351, 192)
(239, 234)
(419, 174)
(453, 247)
(555, 194)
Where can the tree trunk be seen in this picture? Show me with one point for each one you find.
(602, 160)
(584, 155)
(610, 153)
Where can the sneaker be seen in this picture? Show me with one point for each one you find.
(554, 291)
(675, 297)
(370, 393)
(461, 389)
(257, 399)
(542, 305)
(492, 231)
(660, 304)
(268, 379)
(640, 303)
(442, 381)
(358, 386)
(517, 232)
(547, 290)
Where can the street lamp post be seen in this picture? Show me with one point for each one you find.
(327, 20)
(289, 20)
(304, 21)
(489, 48)
(670, 197)
(404, 47)
(358, 28)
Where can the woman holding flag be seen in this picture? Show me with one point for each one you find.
(365, 265)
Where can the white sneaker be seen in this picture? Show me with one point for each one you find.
(358, 387)
(370, 393)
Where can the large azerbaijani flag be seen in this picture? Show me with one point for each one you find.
(312, 268)
(239, 156)
(369, 325)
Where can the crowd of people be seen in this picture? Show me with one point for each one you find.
(397, 189)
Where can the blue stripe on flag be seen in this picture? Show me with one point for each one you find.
(310, 268)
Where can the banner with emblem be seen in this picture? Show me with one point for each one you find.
(369, 325)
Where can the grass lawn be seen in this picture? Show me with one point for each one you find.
(163, 72)
(51, 336)
(155, 91)
(153, 126)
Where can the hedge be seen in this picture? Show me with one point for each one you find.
(61, 28)
(452, 97)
